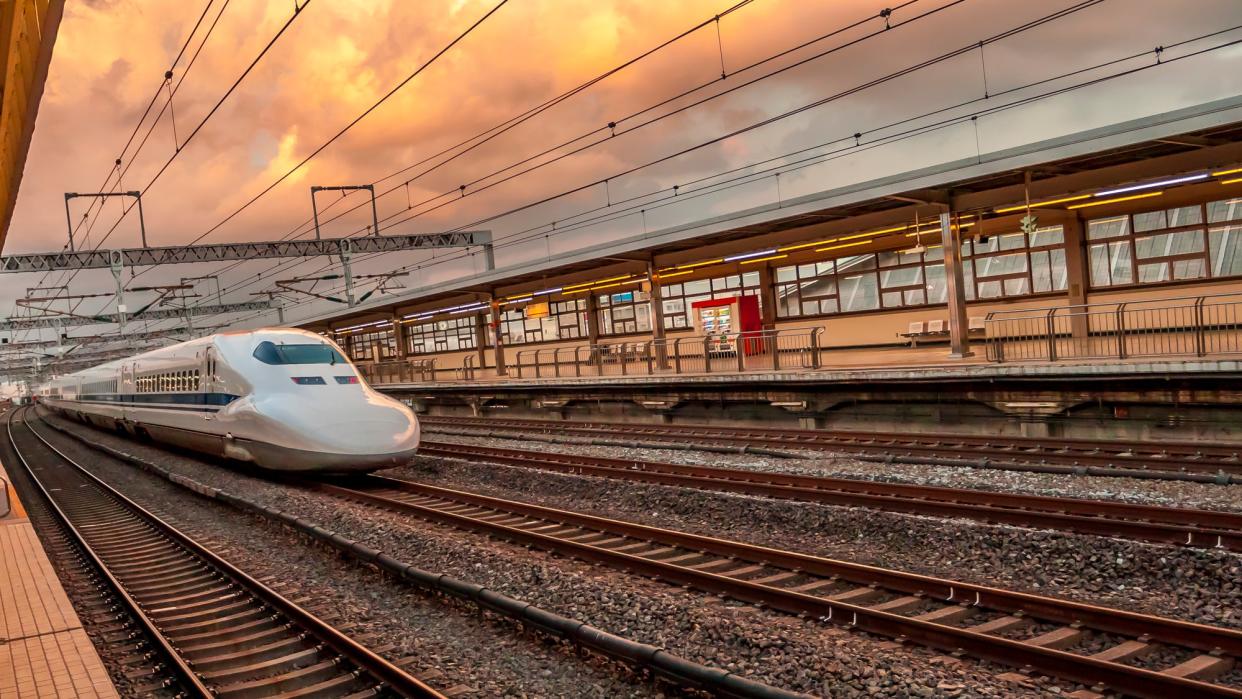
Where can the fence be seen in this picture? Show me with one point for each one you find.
(767, 350)
(403, 371)
(1186, 326)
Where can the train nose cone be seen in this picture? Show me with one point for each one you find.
(362, 425)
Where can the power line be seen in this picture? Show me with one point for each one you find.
(852, 147)
(882, 16)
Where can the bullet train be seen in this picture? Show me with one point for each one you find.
(282, 399)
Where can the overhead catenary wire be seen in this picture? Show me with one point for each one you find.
(708, 22)
(993, 109)
(872, 83)
(121, 156)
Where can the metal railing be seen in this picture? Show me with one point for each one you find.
(400, 371)
(766, 350)
(467, 370)
(1196, 326)
(8, 504)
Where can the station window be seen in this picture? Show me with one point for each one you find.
(997, 266)
(624, 312)
(566, 320)
(374, 345)
(449, 335)
(1186, 242)
(678, 299)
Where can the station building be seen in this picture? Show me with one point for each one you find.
(1121, 245)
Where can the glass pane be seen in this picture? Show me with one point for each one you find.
(989, 290)
(1226, 250)
(810, 307)
(934, 253)
(903, 276)
(1120, 255)
(1153, 272)
(968, 279)
(937, 291)
(855, 263)
(999, 265)
(1188, 269)
(1060, 276)
(786, 274)
(1019, 286)
(750, 279)
(1053, 235)
(1099, 265)
(698, 286)
(788, 304)
(828, 306)
(987, 243)
(1108, 228)
(825, 267)
(1167, 244)
(892, 299)
(1226, 210)
(1150, 221)
(859, 292)
(888, 259)
(1041, 272)
(914, 297)
(1185, 216)
(1012, 241)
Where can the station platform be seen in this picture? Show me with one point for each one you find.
(44, 651)
(866, 367)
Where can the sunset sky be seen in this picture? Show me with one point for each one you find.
(339, 56)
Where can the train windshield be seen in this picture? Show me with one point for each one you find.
(272, 353)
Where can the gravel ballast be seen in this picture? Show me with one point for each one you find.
(1201, 585)
(778, 649)
(814, 463)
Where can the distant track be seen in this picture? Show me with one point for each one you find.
(1137, 458)
(1191, 527)
(220, 632)
(1137, 654)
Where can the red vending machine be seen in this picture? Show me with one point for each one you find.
(722, 319)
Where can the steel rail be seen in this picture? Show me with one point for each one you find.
(731, 568)
(143, 541)
(1171, 525)
(1138, 456)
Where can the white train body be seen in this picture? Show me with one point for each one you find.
(284, 399)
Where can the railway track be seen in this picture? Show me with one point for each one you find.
(219, 632)
(998, 451)
(1170, 525)
(1108, 649)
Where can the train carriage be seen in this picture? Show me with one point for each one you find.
(282, 399)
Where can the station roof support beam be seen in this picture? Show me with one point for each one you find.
(161, 314)
(225, 252)
(173, 333)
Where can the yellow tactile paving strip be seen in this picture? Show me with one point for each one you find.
(44, 652)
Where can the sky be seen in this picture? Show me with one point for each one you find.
(336, 58)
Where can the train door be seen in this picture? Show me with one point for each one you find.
(209, 371)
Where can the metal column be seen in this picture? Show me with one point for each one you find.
(347, 253)
(959, 323)
(118, 269)
(497, 340)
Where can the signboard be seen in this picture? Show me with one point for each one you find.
(537, 310)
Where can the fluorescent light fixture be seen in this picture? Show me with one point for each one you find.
(749, 255)
(675, 274)
(1150, 185)
(548, 291)
(1114, 201)
(846, 245)
(764, 259)
(1049, 202)
(518, 299)
(597, 281)
(1233, 181)
(704, 263)
(1234, 171)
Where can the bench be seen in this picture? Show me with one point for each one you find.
(938, 329)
